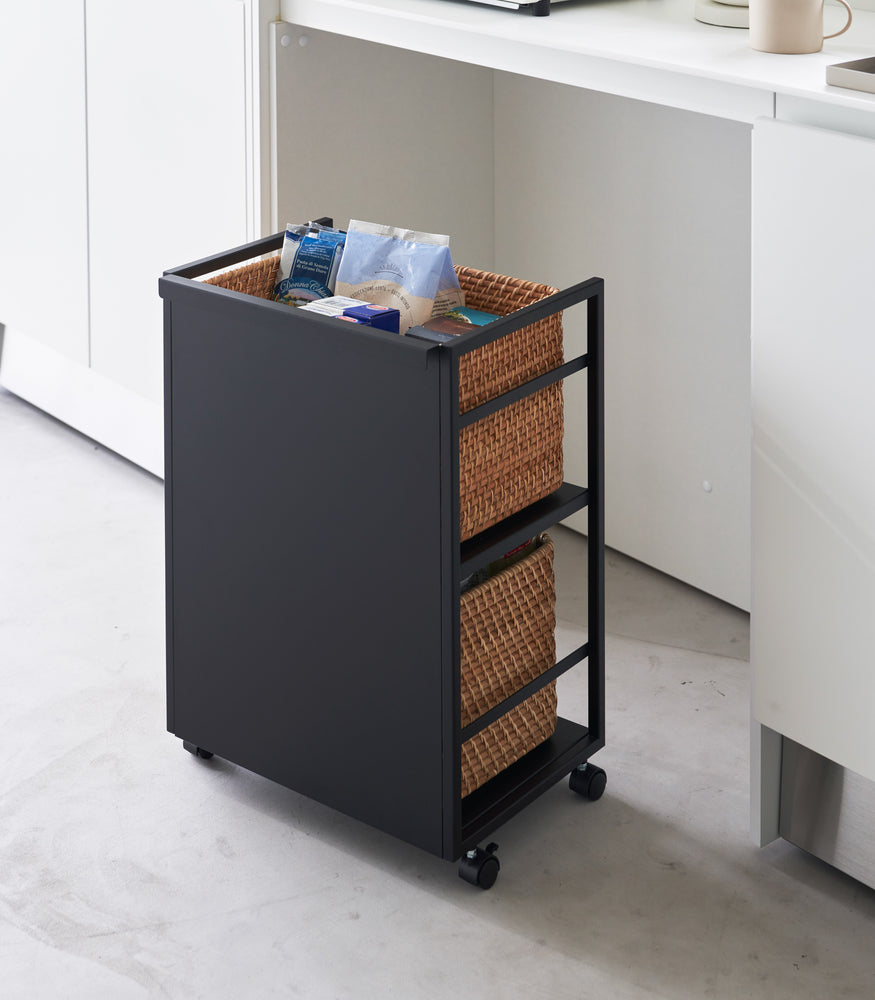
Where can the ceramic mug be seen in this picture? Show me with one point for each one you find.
(790, 26)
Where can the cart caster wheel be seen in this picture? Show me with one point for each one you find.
(588, 780)
(196, 750)
(480, 867)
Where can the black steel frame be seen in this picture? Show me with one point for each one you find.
(314, 561)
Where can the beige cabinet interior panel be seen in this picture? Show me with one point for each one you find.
(657, 202)
(366, 131)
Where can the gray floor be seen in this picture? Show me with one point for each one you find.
(130, 869)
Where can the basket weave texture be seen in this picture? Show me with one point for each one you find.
(514, 457)
(507, 630)
(257, 278)
(509, 361)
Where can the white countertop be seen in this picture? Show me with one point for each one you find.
(627, 47)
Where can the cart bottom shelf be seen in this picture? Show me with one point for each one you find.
(507, 793)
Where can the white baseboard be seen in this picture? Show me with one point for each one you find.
(116, 417)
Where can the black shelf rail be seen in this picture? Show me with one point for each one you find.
(491, 805)
(526, 691)
(572, 743)
(589, 290)
(532, 520)
(521, 392)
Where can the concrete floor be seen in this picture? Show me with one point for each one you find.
(130, 869)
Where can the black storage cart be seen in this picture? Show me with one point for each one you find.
(314, 559)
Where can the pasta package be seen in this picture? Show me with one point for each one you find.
(399, 268)
(309, 262)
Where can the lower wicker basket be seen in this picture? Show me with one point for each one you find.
(514, 457)
(507, 631)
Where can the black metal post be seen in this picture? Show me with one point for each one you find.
(595, 333)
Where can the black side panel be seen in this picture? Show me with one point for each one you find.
(304, 523)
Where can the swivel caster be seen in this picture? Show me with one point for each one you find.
(480, 867)
(588, 780)
(196, 750)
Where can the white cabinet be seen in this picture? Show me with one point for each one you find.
(166, 164)
(813, 512)
(43, 188)
(135, 132)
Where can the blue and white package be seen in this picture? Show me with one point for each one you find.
(401, 269)
(308, 264)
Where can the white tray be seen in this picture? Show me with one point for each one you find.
(859, 74)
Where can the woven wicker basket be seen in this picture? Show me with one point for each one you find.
(513, 457)
(507, 627)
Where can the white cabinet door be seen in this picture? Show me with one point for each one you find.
(167, 136)
(813, 618)
(43, 194)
